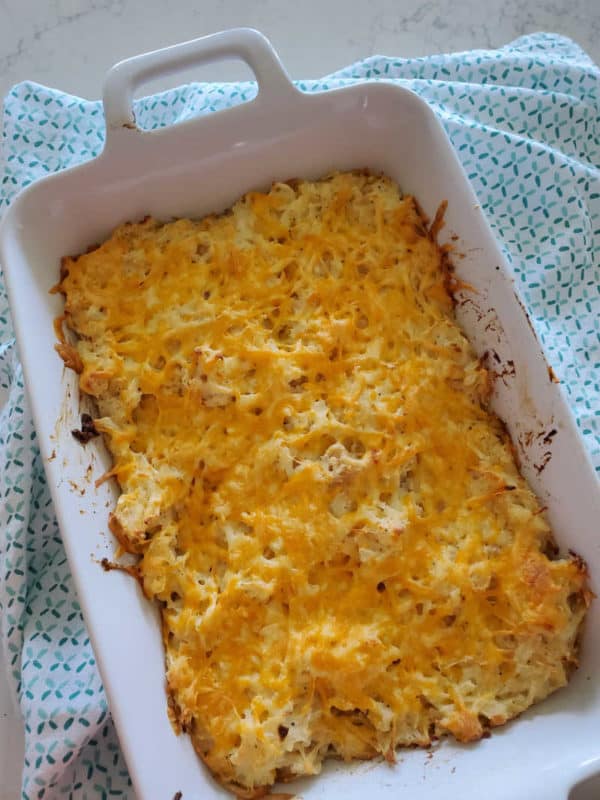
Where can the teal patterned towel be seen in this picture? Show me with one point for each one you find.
(525, 121)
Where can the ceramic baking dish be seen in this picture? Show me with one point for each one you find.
(203, 165)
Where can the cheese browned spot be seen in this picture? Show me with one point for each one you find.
(345, 554)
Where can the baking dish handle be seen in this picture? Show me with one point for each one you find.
(245, 44)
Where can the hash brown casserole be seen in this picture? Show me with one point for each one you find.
(346, 557)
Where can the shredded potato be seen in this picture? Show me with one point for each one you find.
(346, 556)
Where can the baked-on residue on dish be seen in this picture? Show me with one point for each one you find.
(345, 554)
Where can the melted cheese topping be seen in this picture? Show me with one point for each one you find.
(346, 556)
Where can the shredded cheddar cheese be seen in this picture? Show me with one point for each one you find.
(345, 554)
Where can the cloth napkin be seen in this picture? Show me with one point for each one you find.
(525, 120)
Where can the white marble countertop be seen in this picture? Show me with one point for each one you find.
(69, 44)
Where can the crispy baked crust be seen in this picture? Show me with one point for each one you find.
(346, 557)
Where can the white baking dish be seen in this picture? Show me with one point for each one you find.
(203, 165)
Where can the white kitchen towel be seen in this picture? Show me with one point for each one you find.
(525, 121)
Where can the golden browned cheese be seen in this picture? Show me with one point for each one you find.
(345, 554)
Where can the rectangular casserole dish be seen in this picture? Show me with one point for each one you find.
(201, 166)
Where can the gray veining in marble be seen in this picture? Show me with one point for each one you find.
(71, 43)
